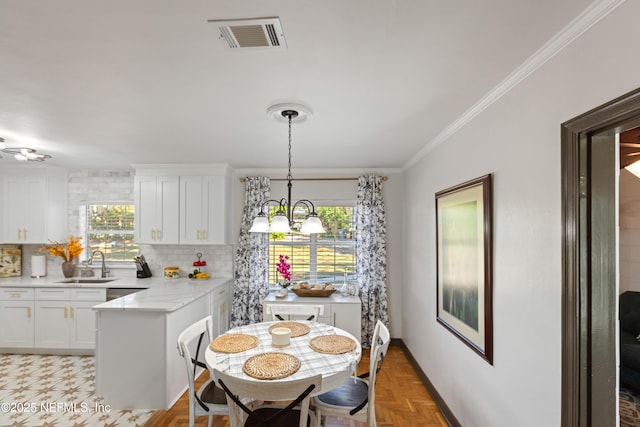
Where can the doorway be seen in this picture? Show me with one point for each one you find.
(589, 264)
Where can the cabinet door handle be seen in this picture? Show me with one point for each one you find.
(197, 234)
(153, 235)
(19, 234)
(204, 234)
(65, 313)
(24, 232)
(29, 312)
(159, 234)
(71, 310)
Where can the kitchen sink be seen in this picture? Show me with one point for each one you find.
(85, 280)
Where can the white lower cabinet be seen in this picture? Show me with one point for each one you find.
(16, 317)
(83, 324)
(52, 324)
(49, 318)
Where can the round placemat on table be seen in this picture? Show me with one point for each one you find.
(271, 366)
(332, 344)
(234, 343)
(297, 329)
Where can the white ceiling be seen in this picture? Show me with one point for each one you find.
(105, 84)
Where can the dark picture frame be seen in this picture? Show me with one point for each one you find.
(464, 258)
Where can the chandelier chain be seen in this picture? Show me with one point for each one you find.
(289, 175)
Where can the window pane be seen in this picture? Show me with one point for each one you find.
(317, 258)
(110, 230)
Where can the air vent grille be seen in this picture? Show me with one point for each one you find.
(251, 33)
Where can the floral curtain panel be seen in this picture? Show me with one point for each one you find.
(251, 284)
(371, 254)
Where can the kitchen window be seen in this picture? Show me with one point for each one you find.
(317, 258)
(109, 228)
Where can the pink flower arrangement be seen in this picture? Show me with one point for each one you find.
(284, 268)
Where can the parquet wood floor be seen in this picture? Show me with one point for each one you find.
(401, 399)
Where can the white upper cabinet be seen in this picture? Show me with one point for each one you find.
(33, 206)
(182, 204)
(203, 210)
(157, 209)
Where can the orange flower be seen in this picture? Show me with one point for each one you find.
(67, 251)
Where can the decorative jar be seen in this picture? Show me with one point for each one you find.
(68, 269)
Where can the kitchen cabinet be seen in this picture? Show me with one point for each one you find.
(157, 209)
(203, 210)
(49, 318)
(52, 324)
(16, 318)
(64, 318)
(182, 204)
(33, 206)
(337, 310)
(25, 209)
(83, 317)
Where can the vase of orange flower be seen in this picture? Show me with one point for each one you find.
(68, 251)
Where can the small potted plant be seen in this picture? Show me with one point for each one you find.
(284, 268)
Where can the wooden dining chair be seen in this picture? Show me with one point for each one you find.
(209, 399)
(295, 311)
(355, 398)
(295, 413)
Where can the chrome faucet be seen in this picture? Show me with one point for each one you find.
(105, 270)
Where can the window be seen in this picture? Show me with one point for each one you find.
(109, 228)
(317, 258)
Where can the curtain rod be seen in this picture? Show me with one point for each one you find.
(384, 178)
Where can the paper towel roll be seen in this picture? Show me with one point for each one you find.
(38, 265)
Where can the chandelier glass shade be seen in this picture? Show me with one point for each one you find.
(282, 220)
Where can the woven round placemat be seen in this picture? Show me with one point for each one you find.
(297, 329)
(234, 343)
(332, 344)
(271, 366)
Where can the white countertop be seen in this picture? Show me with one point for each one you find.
(157, 294)
(169, 296)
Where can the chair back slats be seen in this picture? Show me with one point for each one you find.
(282, 311)
(297, 392)
(200, 330)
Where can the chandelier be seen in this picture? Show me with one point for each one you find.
(283, 217)
(23, 154)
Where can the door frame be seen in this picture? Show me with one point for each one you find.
(584, 324)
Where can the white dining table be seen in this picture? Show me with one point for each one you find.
(335, 368)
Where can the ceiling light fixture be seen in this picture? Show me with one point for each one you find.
(283, 218)
(23, 154)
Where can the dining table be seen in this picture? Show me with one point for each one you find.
(336, 365)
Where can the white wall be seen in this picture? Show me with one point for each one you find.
(336, 191)
(518, 140)
(629, 232)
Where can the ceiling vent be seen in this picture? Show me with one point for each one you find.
(251, 33)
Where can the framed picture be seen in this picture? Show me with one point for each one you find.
(464, 263)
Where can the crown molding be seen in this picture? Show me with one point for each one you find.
(589, 17)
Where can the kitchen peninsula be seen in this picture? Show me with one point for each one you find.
(137, 362)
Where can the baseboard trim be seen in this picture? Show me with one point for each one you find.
(439, 401)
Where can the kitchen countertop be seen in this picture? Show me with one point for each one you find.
(157, 294)
(54, 281)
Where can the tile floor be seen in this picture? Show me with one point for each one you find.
(56, 391)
